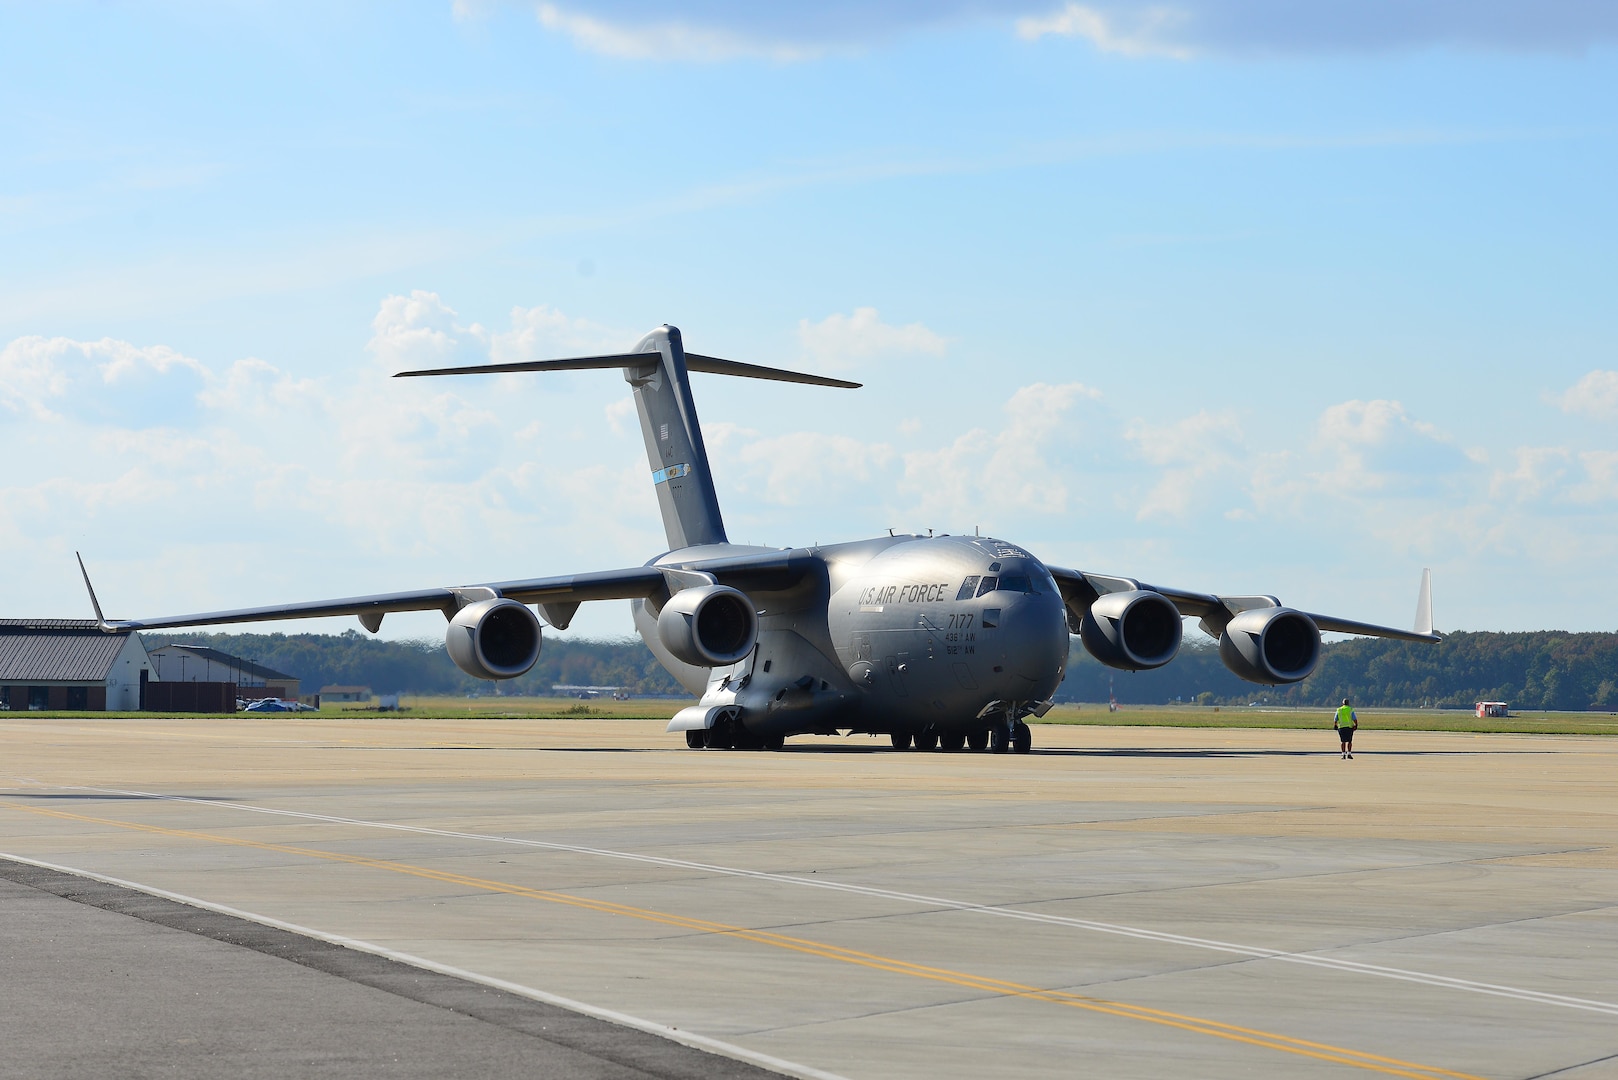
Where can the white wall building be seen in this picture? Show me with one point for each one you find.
(61, 664)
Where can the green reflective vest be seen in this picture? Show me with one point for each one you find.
(1345, 717)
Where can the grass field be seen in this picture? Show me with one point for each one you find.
(1187, 716)
(1532, 722)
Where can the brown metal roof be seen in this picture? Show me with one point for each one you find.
(56, 650)
(245, 666)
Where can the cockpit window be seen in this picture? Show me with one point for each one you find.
(990, 583)
(969, 588)
(1015, 583)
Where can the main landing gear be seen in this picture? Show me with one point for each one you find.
(1004, 737)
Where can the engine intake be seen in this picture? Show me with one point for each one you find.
(1271, 645)
(494, 639)
(1134, 630)
(708, 626)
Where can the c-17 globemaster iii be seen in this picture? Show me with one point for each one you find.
(935, 641)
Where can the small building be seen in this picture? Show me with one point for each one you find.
(330, 694)
(198, 663)
(71, 664)
(1487, 709)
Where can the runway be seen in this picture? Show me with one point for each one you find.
(1122, 902)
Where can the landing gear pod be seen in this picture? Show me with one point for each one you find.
(1271, 645)
(494, 639)
(708, 626)
(1134, 630)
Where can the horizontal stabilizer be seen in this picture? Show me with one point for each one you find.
(712, 365)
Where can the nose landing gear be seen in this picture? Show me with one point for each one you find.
(1013, 735)
(1022, 738)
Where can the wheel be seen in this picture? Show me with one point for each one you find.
(1022, 738)
(901, 740)
(952, 741)
(999, 739)
(696, 739)
(927, 741)
(978, 740)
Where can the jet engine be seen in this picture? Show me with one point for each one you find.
(1134, 630)
(708, 626)
(1271, 645)
(493, 639)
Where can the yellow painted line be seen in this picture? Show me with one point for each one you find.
(1235, 1033)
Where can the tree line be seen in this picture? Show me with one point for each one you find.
(1541, 670)
(1546, 669)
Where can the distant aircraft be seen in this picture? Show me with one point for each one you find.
(935, 641)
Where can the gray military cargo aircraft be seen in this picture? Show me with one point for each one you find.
(935, 641)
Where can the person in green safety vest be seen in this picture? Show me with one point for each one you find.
(1346, 723)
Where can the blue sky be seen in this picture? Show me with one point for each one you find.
(1229, 294)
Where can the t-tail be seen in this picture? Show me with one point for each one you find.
(658, 371)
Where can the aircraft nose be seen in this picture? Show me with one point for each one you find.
(1033, 629)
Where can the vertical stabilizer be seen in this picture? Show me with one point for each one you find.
(674, 447)
(658, 371)
(1424, 604)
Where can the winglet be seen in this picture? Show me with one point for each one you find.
(1424, 603)
(101, 620)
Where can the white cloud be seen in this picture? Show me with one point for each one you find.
(838, 340)
(1376, 445)
(805, 467)
(1143, 31)
(1600, 483)
(1539, 471)
(1594, 395)
(665, 39)
(420, 330)
(352, 481)
(48, 377)
(718, 30)
(544, 333)
(983, 474)
(168, 441)
(1192, 453)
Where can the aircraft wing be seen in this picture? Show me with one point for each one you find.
(574, 589)
(1081, 589)
(558, 597)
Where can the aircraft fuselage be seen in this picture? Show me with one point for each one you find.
(899, 634)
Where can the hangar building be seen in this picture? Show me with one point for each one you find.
(198, 663)
(70, 664)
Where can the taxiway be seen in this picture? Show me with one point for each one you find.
(1123, 902)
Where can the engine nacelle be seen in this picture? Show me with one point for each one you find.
(1135, 630)
(708, 626)
(493, 639)
(1271, 645)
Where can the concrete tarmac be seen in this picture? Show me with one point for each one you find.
(1121, 903)
(102, 980)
